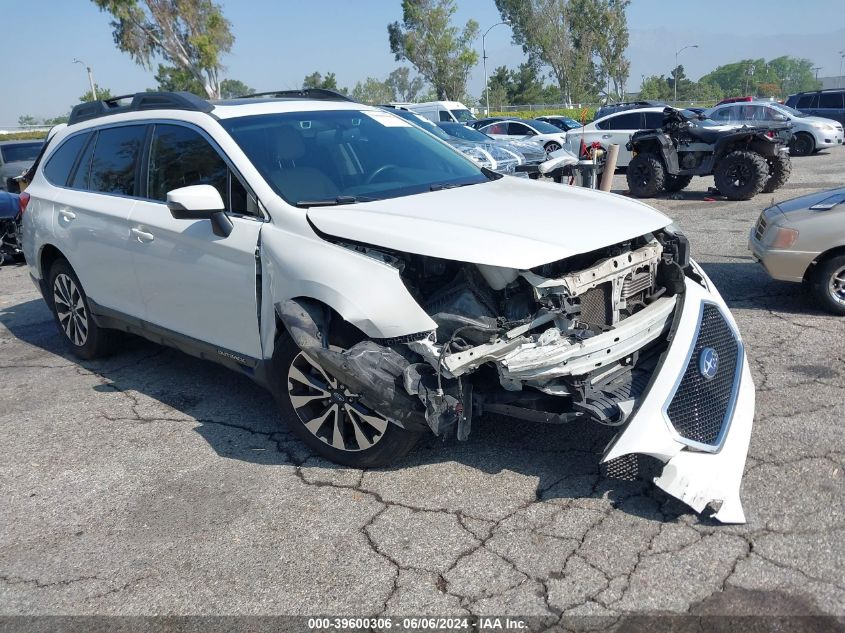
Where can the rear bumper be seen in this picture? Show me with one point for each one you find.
(697, 477)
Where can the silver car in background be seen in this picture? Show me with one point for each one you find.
(810, 133)
(15, 158)
(803, 240)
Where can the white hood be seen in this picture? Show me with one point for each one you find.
(510, 222)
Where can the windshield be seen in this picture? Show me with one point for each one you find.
(464, 116)
(459, 130)
(544, 128)
(26, 152)
(787, 110)
(337, 157)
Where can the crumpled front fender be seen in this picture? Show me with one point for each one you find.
(696, 477)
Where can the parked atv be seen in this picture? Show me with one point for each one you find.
(743, 160)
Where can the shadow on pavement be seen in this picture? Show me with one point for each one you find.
(563, 458)
(745, 284)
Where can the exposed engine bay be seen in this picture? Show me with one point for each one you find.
(576, 338)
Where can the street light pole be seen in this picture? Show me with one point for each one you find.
(839, 78)
(484, 61)
(90, 77)
(675, 80)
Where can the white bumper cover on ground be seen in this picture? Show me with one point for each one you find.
(696, 477)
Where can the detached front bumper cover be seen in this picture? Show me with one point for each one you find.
(704, 455)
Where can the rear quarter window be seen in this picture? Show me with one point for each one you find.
(61, 162)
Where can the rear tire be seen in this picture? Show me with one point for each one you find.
(350, 433)
(646, 176)
(677, 183)
(802, 144)
(741, 175)
(828, 283)
(69, 304)
(780, 168)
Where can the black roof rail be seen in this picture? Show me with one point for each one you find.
(139, 101)
(304, 93)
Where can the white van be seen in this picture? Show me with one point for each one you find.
(437, 111)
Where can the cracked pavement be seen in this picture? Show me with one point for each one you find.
(155, 483)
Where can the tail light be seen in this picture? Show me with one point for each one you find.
(23, 201)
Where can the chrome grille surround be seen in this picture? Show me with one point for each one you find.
(698, 411)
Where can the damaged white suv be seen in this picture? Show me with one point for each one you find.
(381, 285)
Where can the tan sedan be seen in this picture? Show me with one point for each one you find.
(803, 240)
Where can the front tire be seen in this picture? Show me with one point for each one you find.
(802, 144)
(780, 168)
(329, 418)
(741, 175)
(646, 176)
(552, 147)
(828, 283)
(72, 315)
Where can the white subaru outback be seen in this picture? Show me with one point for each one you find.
(381, 285)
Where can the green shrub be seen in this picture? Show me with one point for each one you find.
(578, 114)
(22, 136)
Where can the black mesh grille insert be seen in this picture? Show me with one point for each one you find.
(596, 306)
(700, 406)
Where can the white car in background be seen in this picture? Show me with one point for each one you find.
(615, 129)
(810, 133)
(440, 111)
(540, 132)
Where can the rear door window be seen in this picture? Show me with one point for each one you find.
(627, 121)
(58, 168)
(115, 161)
(520, 129)
(807, 101)
(830, 100)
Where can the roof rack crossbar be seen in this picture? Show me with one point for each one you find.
(304, 93)
(140, 101)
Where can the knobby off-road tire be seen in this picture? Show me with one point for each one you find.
(741, 175)
(677, 183)
(780, 168)
(828, 284)
(646, 176)
(322, 412)
(69, 304)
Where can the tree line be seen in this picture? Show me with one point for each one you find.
(575, 54)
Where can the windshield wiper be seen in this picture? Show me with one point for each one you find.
(331, 202)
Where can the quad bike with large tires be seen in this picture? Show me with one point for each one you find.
(743, 161)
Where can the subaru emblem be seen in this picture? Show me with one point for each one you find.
(708, 363)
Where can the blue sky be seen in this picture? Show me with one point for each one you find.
(278, 42)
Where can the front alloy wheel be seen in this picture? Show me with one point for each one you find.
(828, 283)
(329, 410)
(552, 147)
(329, 417)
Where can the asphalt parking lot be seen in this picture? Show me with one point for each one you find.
(152, 482)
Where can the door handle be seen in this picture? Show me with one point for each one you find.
(605, 135)
(142, 236)
(67, 215)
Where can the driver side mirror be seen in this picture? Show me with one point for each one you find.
(200, 202)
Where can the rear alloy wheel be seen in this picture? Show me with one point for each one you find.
(741, 175)
(646, 176)
(330, 417)
(73, 316)
(677, 183)
(552, 147)
(829, 284)
(780, 168)
(802, 144)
